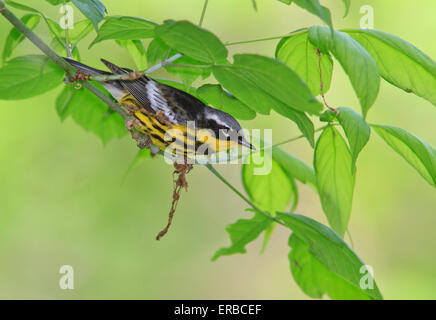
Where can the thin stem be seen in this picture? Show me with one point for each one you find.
(206, 2)
(293, 139)
(70, 70)
(267, 39)
(164, 63)
(67, 36)
(136, 74)
(248, 201)
(321, 82)
(194, 66)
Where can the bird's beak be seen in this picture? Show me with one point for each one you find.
(247, 144)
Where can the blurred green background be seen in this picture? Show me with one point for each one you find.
(62, 200)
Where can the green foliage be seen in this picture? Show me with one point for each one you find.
(192, 41)
(158, 51)
(300, 55)
(347, 4)
(415, 151)
(260, 81)
(270, 192)
(417, 73)
(356, 129)
(81, 29)
(314, 7)
(215, 96)
(28, 76)
(137, 51)
(241, 233)
(356, 61)
(15, 37)
(94, 10)
(90, 113)
(334, 177)
(125, 28)
(321, 262)
(294, 167)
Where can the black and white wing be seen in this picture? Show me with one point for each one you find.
(178, 106)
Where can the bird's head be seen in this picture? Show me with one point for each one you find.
(225, 127)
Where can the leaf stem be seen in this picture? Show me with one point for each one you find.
(190, 66)
(203, 13)
(137, 74)
(67, 36)
(267, 39)
(248, 201)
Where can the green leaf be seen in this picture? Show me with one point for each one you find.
(286, 1)
(214, 95)
(125, 28)
(192, 41)
(300, 55)
(293, 166)
(28, 76)
(315, 279)
(347, 4)
(15, 37)
(241, 233)
(260, 82)
(335, 181)
(300, 118)
(415, 151)
(57, 2)
(94, 10)
(137, 51)
(158, 51)
(356, 129)
(356, 61)
(20, 6)
(270, 191)
(254, 3)
(91, 114)
(80, 31)
(314, 7)
(321, 261)
(63, 102)
(400, 63)
(263, 83)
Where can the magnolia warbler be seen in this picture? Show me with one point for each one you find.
(162, 109)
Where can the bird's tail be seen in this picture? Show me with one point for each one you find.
(114, 87)
(86, 69)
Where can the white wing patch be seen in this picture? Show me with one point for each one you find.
(217, 119)
(158, 101)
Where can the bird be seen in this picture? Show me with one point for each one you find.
(162, 111)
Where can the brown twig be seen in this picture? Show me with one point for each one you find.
(181, 170)
(81, 76)
(321, 83)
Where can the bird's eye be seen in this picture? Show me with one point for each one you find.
(224, 133)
